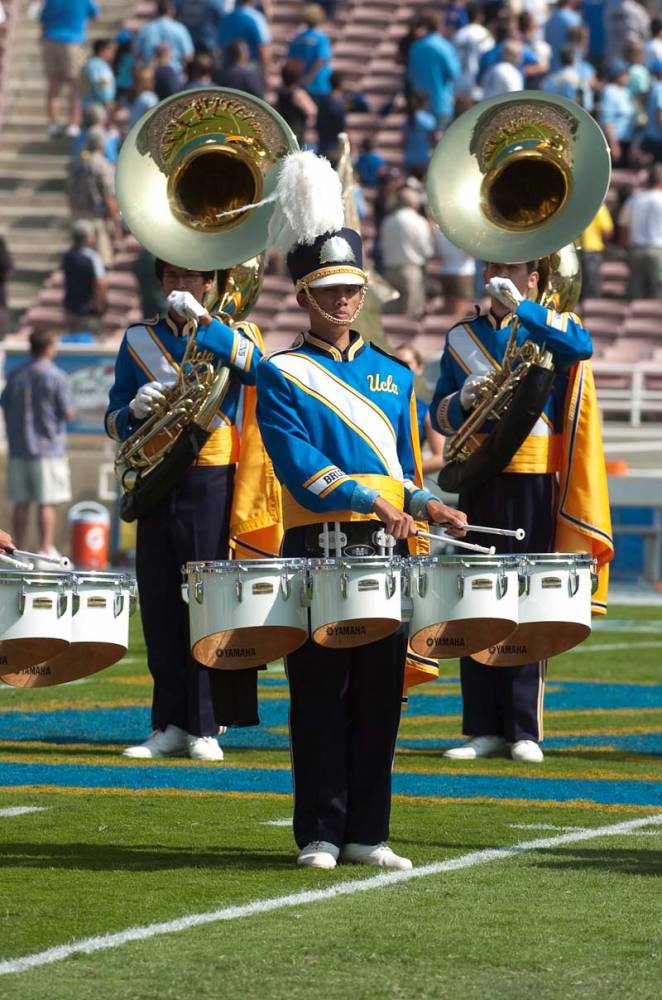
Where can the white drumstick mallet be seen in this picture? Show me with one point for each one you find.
(518, 533)
(62, 561)
(15, 563)
(442, 537)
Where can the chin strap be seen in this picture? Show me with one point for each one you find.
(327, 316)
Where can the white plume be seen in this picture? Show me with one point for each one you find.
(308, 202)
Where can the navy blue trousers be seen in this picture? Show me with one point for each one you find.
(344, 717)
(191, 524)
(507, 701)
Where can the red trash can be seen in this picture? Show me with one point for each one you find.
(89, 526)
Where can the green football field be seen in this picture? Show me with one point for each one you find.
(126, 879)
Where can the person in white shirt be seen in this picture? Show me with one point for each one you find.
(470, 42)
(641, 221)
(406, 241)
(505, 77)
(458, 272)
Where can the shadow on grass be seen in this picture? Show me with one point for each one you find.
(620, 861)
(158, 857)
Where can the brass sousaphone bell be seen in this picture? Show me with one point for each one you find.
(516, 178)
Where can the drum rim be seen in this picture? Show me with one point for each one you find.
(344, 562)
(557, 558)
(104, 577)
(213, 565)
(509, 560)
(35, 576)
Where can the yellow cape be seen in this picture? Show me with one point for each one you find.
(583, 522)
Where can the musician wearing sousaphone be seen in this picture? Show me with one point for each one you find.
(191, 521)
(502, 706)
(338, 419)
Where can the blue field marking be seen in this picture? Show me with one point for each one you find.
(278, 781)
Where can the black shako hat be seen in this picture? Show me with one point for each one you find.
(332, 259)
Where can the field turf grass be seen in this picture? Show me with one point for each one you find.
(118, 844)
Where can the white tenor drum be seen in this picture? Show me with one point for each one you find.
(554, 609)
(101, 604)
(354, 601)
(244, 613)
(35, 618)
(461, 603)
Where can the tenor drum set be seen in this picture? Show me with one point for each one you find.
(60, 625)
(504, 610)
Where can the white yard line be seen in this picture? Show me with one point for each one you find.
(106, 942)
(276, 822)
(22, 810)
(604, 647)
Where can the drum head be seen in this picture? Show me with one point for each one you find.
(354, 632)
(22, 653)
(239, 648)
(533, 641)
(463, 637)
(80, 659)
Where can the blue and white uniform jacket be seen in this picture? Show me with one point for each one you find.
(152, 351)
(340, 429)
(477, 346)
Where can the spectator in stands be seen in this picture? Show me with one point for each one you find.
(167, 77)
(564, 17)
(471, 42)
(96, 116)
(566, 81)
(97, 76)
(85, 283)
(641, 222)
(536, 52)
(294, 102)
(203, 19)
(245, 24)
(239, 71)
(64, 33)
(331, 117)
(652, 138)
(200, 71)
(625, 21)
(528, 63)
(6, 268)
(37, 403)
(504, 77)
(91, 191)
(618, 113)
(654, 43)
(593, 17)
(591, 246)
(433, 67)
(433, 454)
(578, 41)
(312, 48)
(458, 272)
(639, 79)
(419, 135)
(406, 244)
(164, 30)
(144, 94)
(123, 65)
(370, 166)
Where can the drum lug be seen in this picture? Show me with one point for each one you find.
(344, 584)
(594, 581)
(285, 585)
(199, 591)
(390, 584)
(573, 581)
(75, 602)
(21, 601)
(422, 583)
(61, 603)
(118, 603)
(184, 590)
(460, 584)
(307, 589)
(239, 589)
(132, 598)
(502, 584)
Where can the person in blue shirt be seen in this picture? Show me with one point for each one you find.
(98, 77)
(561, 20)
(245, 24)
(433, 66)
(312, 48)
(338, 419)
(164, 30)
(192, 522)
(369, 165)
(618, 113)
(64, 33)
(502, 707)
(652, 138)
(203, 20)
(419, 134)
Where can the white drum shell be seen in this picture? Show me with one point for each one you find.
(35, 617)
(554, 609)
(354, 601)
(244, 613)
(460, 603)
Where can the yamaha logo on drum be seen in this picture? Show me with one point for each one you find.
(345, 630)
(237, 651)
(509, 650)
(445, 640)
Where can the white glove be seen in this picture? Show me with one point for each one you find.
(469, 391)
(142, 403)
(505, 291)
(186, 305)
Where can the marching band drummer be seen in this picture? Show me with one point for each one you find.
(502, 706)
(192, 522)
(337, 416)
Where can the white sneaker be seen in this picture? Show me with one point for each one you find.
(204, 748)
(318, 854)
(168, 742)
(526, 751)
(478, 746)
(379, 855)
